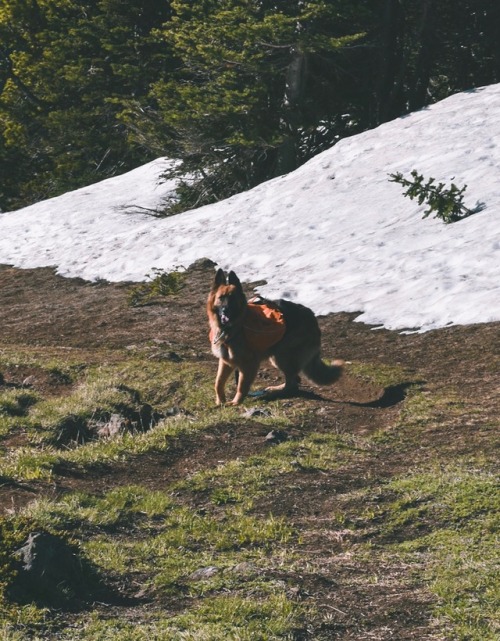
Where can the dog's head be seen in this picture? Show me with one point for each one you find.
(226, 303)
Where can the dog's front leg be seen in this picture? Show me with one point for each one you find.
(223, 373)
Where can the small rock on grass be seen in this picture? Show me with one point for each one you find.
(251, 412)
(203, 573)
(277, 436)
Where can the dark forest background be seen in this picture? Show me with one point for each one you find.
(238, 91)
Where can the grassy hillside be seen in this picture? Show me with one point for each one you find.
(368, 510)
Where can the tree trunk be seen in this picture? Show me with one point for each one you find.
(389, 59)
(426, 56)
(293, 100)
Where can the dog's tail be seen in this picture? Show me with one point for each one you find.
(321, 373)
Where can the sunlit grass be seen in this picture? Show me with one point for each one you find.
(440, 517)
(450, 514)
(231, 617)
(379, 374)
(243, 480)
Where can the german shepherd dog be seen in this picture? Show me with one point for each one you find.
(297, 351)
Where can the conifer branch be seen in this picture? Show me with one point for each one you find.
(447, 204)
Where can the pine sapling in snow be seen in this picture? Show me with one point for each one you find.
(447, 204)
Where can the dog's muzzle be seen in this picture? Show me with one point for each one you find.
(224, 325)
(224, 319)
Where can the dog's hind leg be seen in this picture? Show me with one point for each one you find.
(292, 378)
(289, 387)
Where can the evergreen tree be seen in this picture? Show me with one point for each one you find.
(425, 51)
(257, 88)
(238, 90)
(64, 68)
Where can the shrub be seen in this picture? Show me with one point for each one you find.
(161, 283)
(447, 204)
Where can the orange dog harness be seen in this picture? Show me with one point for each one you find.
(263, 325)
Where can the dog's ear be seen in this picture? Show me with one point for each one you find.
(232, 279)
(220, 279)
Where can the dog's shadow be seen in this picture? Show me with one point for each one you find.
(391, 396)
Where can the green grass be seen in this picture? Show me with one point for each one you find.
(380, 374)
(235, 618)
(451, 515)
(244, 481)
(438, 515)
(16, 402)
(121, 387)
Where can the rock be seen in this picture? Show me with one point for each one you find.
(277, 436)
(50, 571)
(171, 356)
(202, 263)
(256, 411)
(116, 425)
(140, 420)
(245, 567)
(203, 573)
